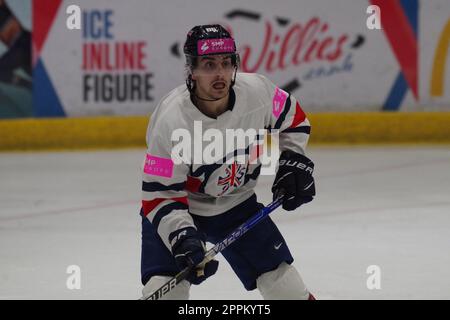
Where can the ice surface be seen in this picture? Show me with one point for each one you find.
(384, 206)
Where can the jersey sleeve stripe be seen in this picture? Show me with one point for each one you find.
(299, 117)
(149, 206)
(302, 129)
(282, 117)
(156, 186)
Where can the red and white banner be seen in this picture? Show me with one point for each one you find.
(128, 55)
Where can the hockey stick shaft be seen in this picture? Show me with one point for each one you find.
(220, 246)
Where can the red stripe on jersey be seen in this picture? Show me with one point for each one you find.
(257, 150)
(299, 117)
(193, 184)
(148, 206)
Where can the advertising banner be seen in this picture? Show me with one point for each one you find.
(350, 55)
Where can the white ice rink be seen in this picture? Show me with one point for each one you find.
(384, 206)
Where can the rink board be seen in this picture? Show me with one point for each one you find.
(129, 132)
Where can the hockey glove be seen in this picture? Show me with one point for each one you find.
(294, 179)
(189, 250)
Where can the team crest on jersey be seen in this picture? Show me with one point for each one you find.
(234, 177)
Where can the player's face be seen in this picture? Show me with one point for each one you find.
(213, 76)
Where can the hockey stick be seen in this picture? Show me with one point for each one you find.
(210, 254)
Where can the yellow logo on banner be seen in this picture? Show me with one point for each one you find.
(440, 60)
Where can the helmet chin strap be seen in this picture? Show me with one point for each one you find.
(203, 99)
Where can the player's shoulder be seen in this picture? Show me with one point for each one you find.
(169, 110)
(255, 83)
(256, 86)
(253, 80)
(173, 100)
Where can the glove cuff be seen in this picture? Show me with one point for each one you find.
(178, 236)
(292, 159)
(291, 155)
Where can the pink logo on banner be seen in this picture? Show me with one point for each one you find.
(158, 166)
(279, 99)
(212, 46)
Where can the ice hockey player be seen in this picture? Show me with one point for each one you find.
(186, 205)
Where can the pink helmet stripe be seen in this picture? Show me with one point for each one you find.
(214, 46)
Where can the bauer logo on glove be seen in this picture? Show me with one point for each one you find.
(294, 179)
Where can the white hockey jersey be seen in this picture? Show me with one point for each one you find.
(171, 191)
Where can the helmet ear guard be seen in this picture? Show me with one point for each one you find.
(190, 83)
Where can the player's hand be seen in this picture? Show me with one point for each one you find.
(294, 179)
(189, 250)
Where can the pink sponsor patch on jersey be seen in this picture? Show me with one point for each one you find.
(158, 166)
(279, 99)
(214, 46)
